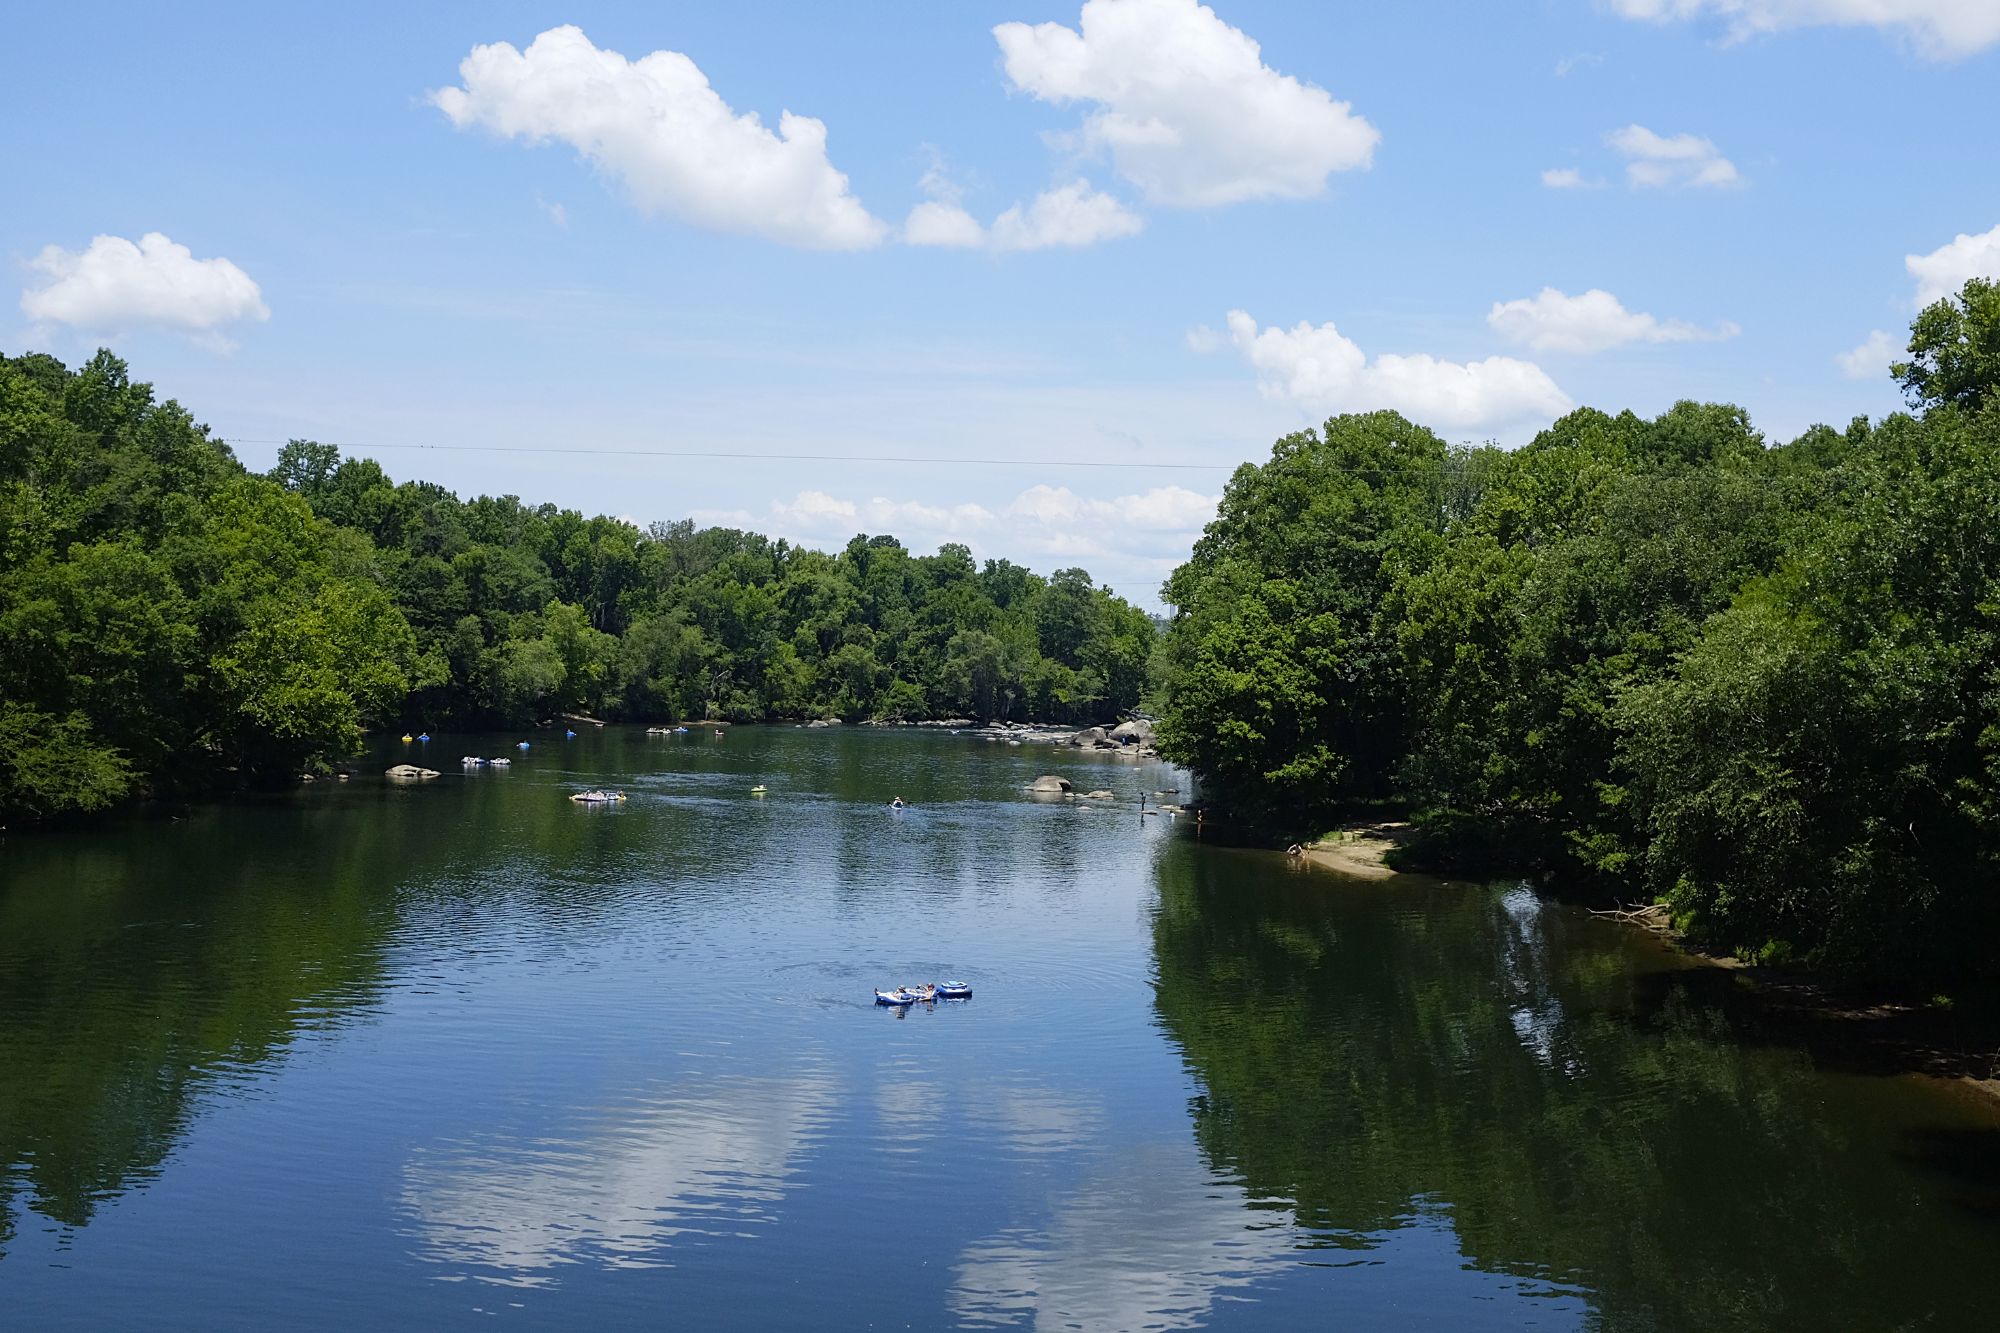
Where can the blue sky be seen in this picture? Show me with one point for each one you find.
(1721, 199)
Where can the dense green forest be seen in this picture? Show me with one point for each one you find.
(172, 623)
(1660, 660)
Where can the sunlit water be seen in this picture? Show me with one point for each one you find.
(466, 1055)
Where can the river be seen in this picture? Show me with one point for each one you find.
(463, 1054)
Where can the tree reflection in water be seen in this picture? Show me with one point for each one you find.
(1368, 1051)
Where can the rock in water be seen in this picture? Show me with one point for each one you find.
(410, 772)
(1048, 782)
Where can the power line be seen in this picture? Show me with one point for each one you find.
(762, 458)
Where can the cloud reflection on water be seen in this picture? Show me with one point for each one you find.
(617, 1191)
(1152, 1240)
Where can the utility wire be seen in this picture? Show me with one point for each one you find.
(759, 458)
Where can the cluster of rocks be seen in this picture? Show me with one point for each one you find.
(1130, 740)
(955, 723)
(1133, 739)
(1014, 733)
(1050, 784)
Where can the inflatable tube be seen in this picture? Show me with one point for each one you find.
(897, 998)
(954, 990)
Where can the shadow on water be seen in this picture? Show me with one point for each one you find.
(1857, 1035)
(1853, 1033)
(1570, 1096)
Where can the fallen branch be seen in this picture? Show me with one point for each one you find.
(1653, 916)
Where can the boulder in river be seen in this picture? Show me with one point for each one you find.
(1090, 736)
(1138, 730)
(410, 772)
(1050, 783)
(1100, 796)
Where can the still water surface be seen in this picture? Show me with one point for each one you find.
(465, 1055)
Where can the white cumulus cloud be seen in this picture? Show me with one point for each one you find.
(1596, 321)
(113, 285)
(1870, 360)
(657, 125)
(941, 222)
(1072, 215)
(1323, 370)
(1185, 104)
(1940, 28)
(1944, 271)
(1162, 509)
(1131, 541)
(1658, 162)
(1569, 178)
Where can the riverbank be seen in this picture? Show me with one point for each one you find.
(1361, 849)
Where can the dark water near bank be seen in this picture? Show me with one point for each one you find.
(464, 1055)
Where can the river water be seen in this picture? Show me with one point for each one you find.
(466, 1055)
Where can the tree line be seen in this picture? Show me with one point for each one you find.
(1662, 660)
(172, 623)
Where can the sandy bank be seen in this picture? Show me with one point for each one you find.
(1360, 849)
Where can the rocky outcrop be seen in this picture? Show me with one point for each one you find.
(410, 773)
(1050, 783)
(1090, 736)
(1136, 732)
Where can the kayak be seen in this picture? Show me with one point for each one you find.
(954, 990)
(898, 998)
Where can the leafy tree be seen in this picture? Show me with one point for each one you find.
(1282, 683)
(170, 623)
(1954, 350)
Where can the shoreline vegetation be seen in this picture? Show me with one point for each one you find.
(1664, 664)
(174, 626)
